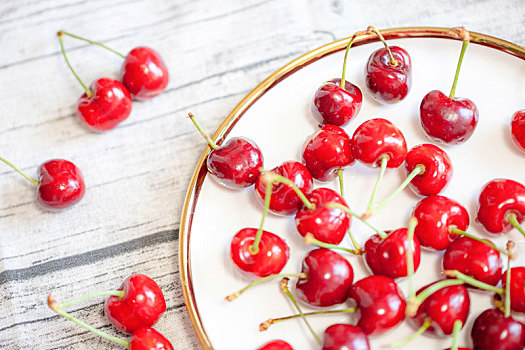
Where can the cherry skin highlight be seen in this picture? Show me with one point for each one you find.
(147, 338)
(492, 330)
(276, 345)
(518, 129)
(334, 105)
(61, 184)
(345, 337)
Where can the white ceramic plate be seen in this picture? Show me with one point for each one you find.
(277, 116)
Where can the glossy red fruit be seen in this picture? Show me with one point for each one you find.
(271, 258)
(236, 164)
(444, 307)
(492, 330)
(326, 151)
(284, 200)
(498, 199)
(388, 83)
(435, 215)
(474, 259)
(451, 121)
(388, 257)
(325, 224)
(109, 105)
(518, 129)
(330, 277)
(377, 137)
(438, 169)
(345, 337)
(380, 303)
(276, 345)
(335, 105)
(149, 339)
(61, 184)
(144, 73)
(517, 287)
(141, 306)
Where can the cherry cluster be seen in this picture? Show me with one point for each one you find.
(323, 217)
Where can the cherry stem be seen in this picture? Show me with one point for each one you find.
(510, 246)
(62, 32)
(310, 239)
(343, 76)
(393, 61)
(421, 330)
(89, 93)
(465, 37)
(254, 248)
(456, 231)
(412, 223)
(212, 144)
(413, 305)
(117, 293)
(333, 205)
(384, 162)
(56, 307)
(235, 295)
(271, 177)
(30, 179)
(418, 170)
(357, 247)
(512, 218)
(341, 183)
(285, 290)
(266, 324)
(472, 281)
(458, 324)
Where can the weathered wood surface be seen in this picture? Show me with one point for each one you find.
(137, 175)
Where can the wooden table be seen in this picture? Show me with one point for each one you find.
(137, 174)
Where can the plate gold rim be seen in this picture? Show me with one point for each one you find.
(280, 74)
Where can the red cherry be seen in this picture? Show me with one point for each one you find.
(330, 277)
(144, 73)
(517, 288)
(276, 345)
(518, 129)
(149, 339)
(334, 105)
(389, 83)
(108, 105)
(141, 306)
(271, 258)
(492, 330)
(435, 215)
(474, 259)
(284, 200)
(375, 138)
(326, 151)
(380, 303)
(438, 169)
(388, 256)
(345, 337)
(499, 199)
(325, 224)
(61, 184)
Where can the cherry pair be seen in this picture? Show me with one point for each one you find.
(108, 102)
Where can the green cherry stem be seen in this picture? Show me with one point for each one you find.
(235, 295)
(89, 93)
(212, 144)
(286, 291)
(393, 61)
(254, 248)
(350, 42)
(30, 179)
(266, 324)
(464, 34)
(384, 162)
(357, 247)
(421, 330)
(413, 305)
(341, 183)
(310, 239)
(412, 223)
(455, 334)
(512, 218)
(117, 293)
(456, 231)
(271, 177)
(510, 246)
(57, 307)
(344, 208)
(472, 281)
(63, 32)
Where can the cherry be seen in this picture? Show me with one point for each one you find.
(436, 215)
(345, 337)
(501, 206)
(517, 289)
(141, 305)
(149, 339)
(518, 129)
(329, 278)
(236, 164)
(380, 303)
(493, 330)
(326, 152)
(276, 345)
(447, 119)
(326, 224)
(388, 72)
(284, 200)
